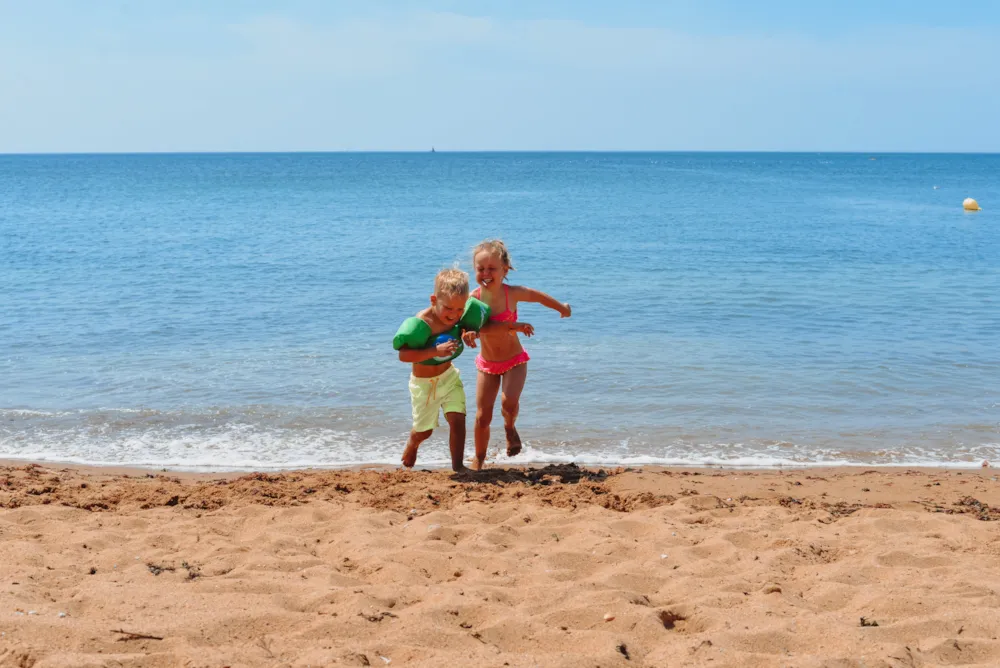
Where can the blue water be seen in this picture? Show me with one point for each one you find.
(236, 311)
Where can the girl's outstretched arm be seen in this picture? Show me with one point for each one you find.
(494, 328)
(523, 294)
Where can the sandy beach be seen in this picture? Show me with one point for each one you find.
(555, 566)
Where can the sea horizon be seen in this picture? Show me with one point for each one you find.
(497, 152)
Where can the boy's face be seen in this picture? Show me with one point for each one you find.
(448, 308)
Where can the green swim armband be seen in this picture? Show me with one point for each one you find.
(476, 315)
(413, 333)
(416, 334)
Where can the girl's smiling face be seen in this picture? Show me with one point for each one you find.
(490, 270)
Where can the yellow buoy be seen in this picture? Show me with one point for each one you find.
(970, 204)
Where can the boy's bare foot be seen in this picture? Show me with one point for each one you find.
(477, 464)
(513, 441)
(459, 468)
(410, 456)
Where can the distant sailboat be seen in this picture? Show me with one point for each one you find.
(432, 150)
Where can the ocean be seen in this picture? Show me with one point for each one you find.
(236, 311)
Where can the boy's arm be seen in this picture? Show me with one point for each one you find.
(411, 340)
(524, 294)
(417, 355)
(469, 337)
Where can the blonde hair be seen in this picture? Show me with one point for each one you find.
(451, 282)
(493, 247)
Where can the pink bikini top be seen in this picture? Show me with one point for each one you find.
(504, 316)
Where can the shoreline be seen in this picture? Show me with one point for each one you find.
(445, 468)
(643, 480)
(554, 565)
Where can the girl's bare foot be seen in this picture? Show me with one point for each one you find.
(410, 456)
(513, 441)
(477, 464)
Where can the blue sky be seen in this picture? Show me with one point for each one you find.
(257, 75)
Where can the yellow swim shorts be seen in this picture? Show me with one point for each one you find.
(432, 395)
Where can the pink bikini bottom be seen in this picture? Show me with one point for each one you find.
(502, 367)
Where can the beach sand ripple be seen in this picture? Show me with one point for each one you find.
(553, 566)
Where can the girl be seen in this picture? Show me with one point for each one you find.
(502, 362)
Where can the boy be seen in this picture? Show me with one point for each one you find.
(430, 341)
